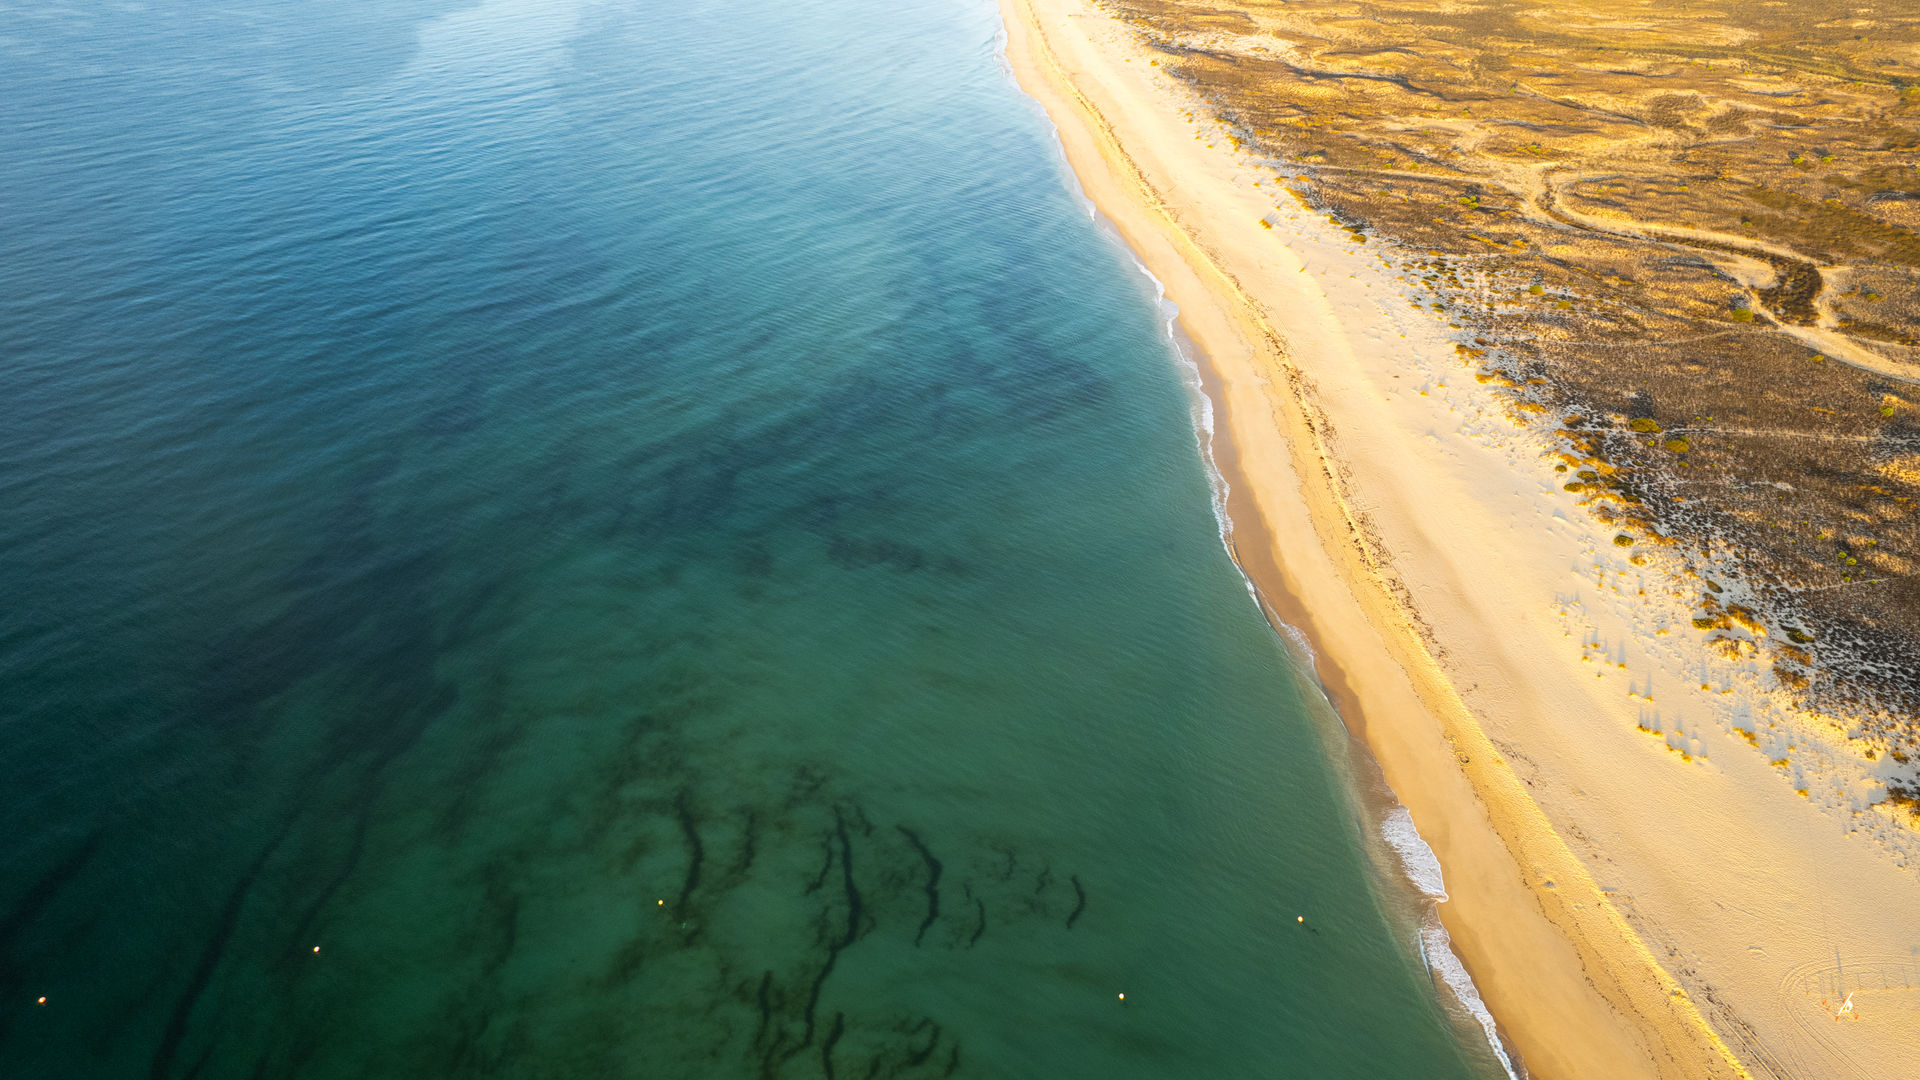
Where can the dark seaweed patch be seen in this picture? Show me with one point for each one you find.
(362, 818)
(834, 948)
(826, 864)
(626, 963)
(860, 818)
(846, 877)
(1037, 903)
(838, 1029)
(748, 836)
(763, 999)
(696, 853)
(210, 955)
(933, 882)
(920, 1056)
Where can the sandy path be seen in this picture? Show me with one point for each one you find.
(1499, 655)
(1537, 191)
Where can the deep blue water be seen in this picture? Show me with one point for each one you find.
(545, 539)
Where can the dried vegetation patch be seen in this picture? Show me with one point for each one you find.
(1687, 238)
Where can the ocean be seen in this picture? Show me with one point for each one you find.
(550, 538)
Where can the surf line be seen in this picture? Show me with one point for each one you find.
(1436, 946)
(1422, 868)
(1416, 858)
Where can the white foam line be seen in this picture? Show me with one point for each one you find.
(1422, 867)
(1439, 951)
(1202, 409)
(1299, 639)
(1417, 859)
(1200, 405)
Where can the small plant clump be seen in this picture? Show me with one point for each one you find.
(1905, 796)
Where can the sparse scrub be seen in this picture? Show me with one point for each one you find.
(1596, 320)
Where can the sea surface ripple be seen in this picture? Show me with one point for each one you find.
(565, 538)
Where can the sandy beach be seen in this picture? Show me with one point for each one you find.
(1653, 869)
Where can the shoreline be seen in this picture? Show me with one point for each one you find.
(1389, 822)
(1576, 990)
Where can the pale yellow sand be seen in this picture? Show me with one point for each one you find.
(1625, 911)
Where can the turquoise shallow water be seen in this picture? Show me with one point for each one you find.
(550, 539)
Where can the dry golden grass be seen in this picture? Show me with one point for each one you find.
(1631, 209)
